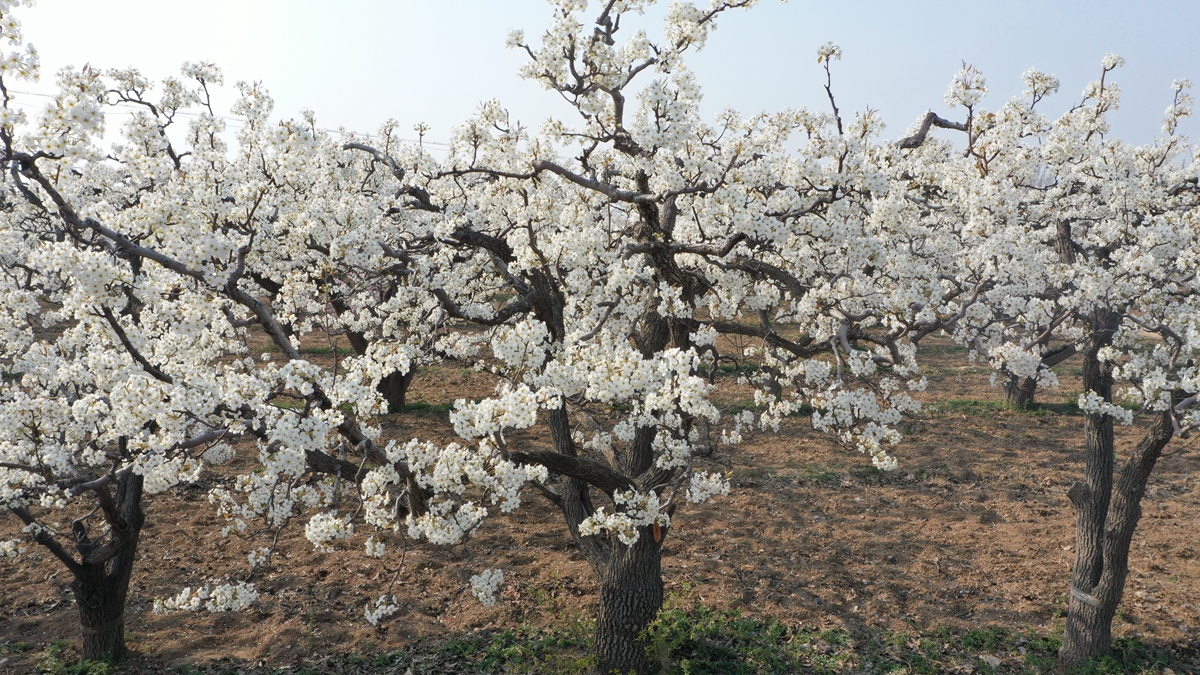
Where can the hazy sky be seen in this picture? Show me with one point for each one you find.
(359, 62)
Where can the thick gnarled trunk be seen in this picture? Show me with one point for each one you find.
(631, 586)
(1104, 521)
(631, 593)
(102, 580)
(1019, 392)
(394, 386)
(1098, 586)
(394, 389)
(101, 601)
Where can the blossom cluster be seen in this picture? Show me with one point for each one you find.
(637, 510)
(385, 606)
(485, 584)
(217, 598)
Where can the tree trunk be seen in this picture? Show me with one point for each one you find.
(1018, 392)
(1103, 534)
(1089, 622)
(358, 341)
(631, 593)
(102, 580)
(394, 386)
(1091, 609)
(631, 587)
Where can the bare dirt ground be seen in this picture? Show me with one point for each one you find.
(973, 530)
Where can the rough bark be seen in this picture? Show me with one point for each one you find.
(1064, 246)
(1105, 522)
(1018, 392)
(930, 120)
(1090, 631)
(358, 341)
(1091, 609)
(102, 580)
(393, 387)
(631, 593)
(575, 499)
(631, 587)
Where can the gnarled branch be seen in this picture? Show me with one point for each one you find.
(931, 120)
(590, 471)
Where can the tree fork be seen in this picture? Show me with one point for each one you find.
(1104, 528)
(1090, 611)
(1019, 392)
(101, 582)
(393, 386)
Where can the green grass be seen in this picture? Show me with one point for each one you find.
(422, 408)
(699, 641)
(56, 660)
(746, 368)
(691, 639)
(740, 406)
(702, 641)
(810, 474)
(1070, 406)
(943, 349)
(805, 410)
(976, 407)
(342, 351)
(15, 647)
(525, 650)
(288, 404)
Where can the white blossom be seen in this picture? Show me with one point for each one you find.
(485, 584)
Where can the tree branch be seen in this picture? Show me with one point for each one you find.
(519, 306)
(43, 537)
(1187, 184)
(611, 192)
(590, 471)
(718, 250)
(1056, 356)
(319, 462)
(422, 202)
(931, 120)
(380, 156)
(799, 350)
(137, 356)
